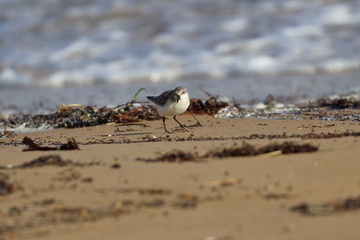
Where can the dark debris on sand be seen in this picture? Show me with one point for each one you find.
(245, 150)
(328, 207)
(250, 150)
(32, 146)
(322, 135)
(49, 211)
(77, 115)
(72, 214)
(83, 116)
(210, 106)
(288, 147)
(176, 156)
(186, 201)
(6, 186)
(339, 103)
(49, 160)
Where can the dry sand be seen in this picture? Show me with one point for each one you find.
(216, 199)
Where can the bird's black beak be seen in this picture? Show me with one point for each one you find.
(177, 97)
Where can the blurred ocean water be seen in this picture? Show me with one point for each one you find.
(98, 52)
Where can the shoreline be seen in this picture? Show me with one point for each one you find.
(40, 100)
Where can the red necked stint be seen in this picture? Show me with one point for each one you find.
(172, 103)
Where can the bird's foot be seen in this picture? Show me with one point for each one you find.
(198, 124)
(167, 131)
(183, 127)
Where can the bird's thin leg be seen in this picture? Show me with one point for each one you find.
(165, 125)
(198, 124)
(181, 125)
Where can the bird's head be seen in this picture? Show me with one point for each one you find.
(179, 91)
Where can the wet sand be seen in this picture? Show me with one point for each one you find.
(108, 194)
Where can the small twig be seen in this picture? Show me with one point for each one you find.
(270, 154)
(207, 93)
(34, 146)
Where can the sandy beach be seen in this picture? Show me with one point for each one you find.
(83, 151)
(104, 191)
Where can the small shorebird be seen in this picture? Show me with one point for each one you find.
(172, 103)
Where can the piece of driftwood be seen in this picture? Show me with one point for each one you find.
(32, 146)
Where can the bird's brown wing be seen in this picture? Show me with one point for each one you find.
(162, 98)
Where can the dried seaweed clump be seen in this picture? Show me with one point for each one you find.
(288, 147)
(210, 107)
(249, 150)
(176, 156)
(339, 103)
(75, 116)
(55, 160)
(329, 207)
(66, 117)
(49, 160)
(245, 150)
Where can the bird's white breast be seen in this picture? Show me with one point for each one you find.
(175, 108)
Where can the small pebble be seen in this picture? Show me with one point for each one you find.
(89, 179)
(116, 165)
